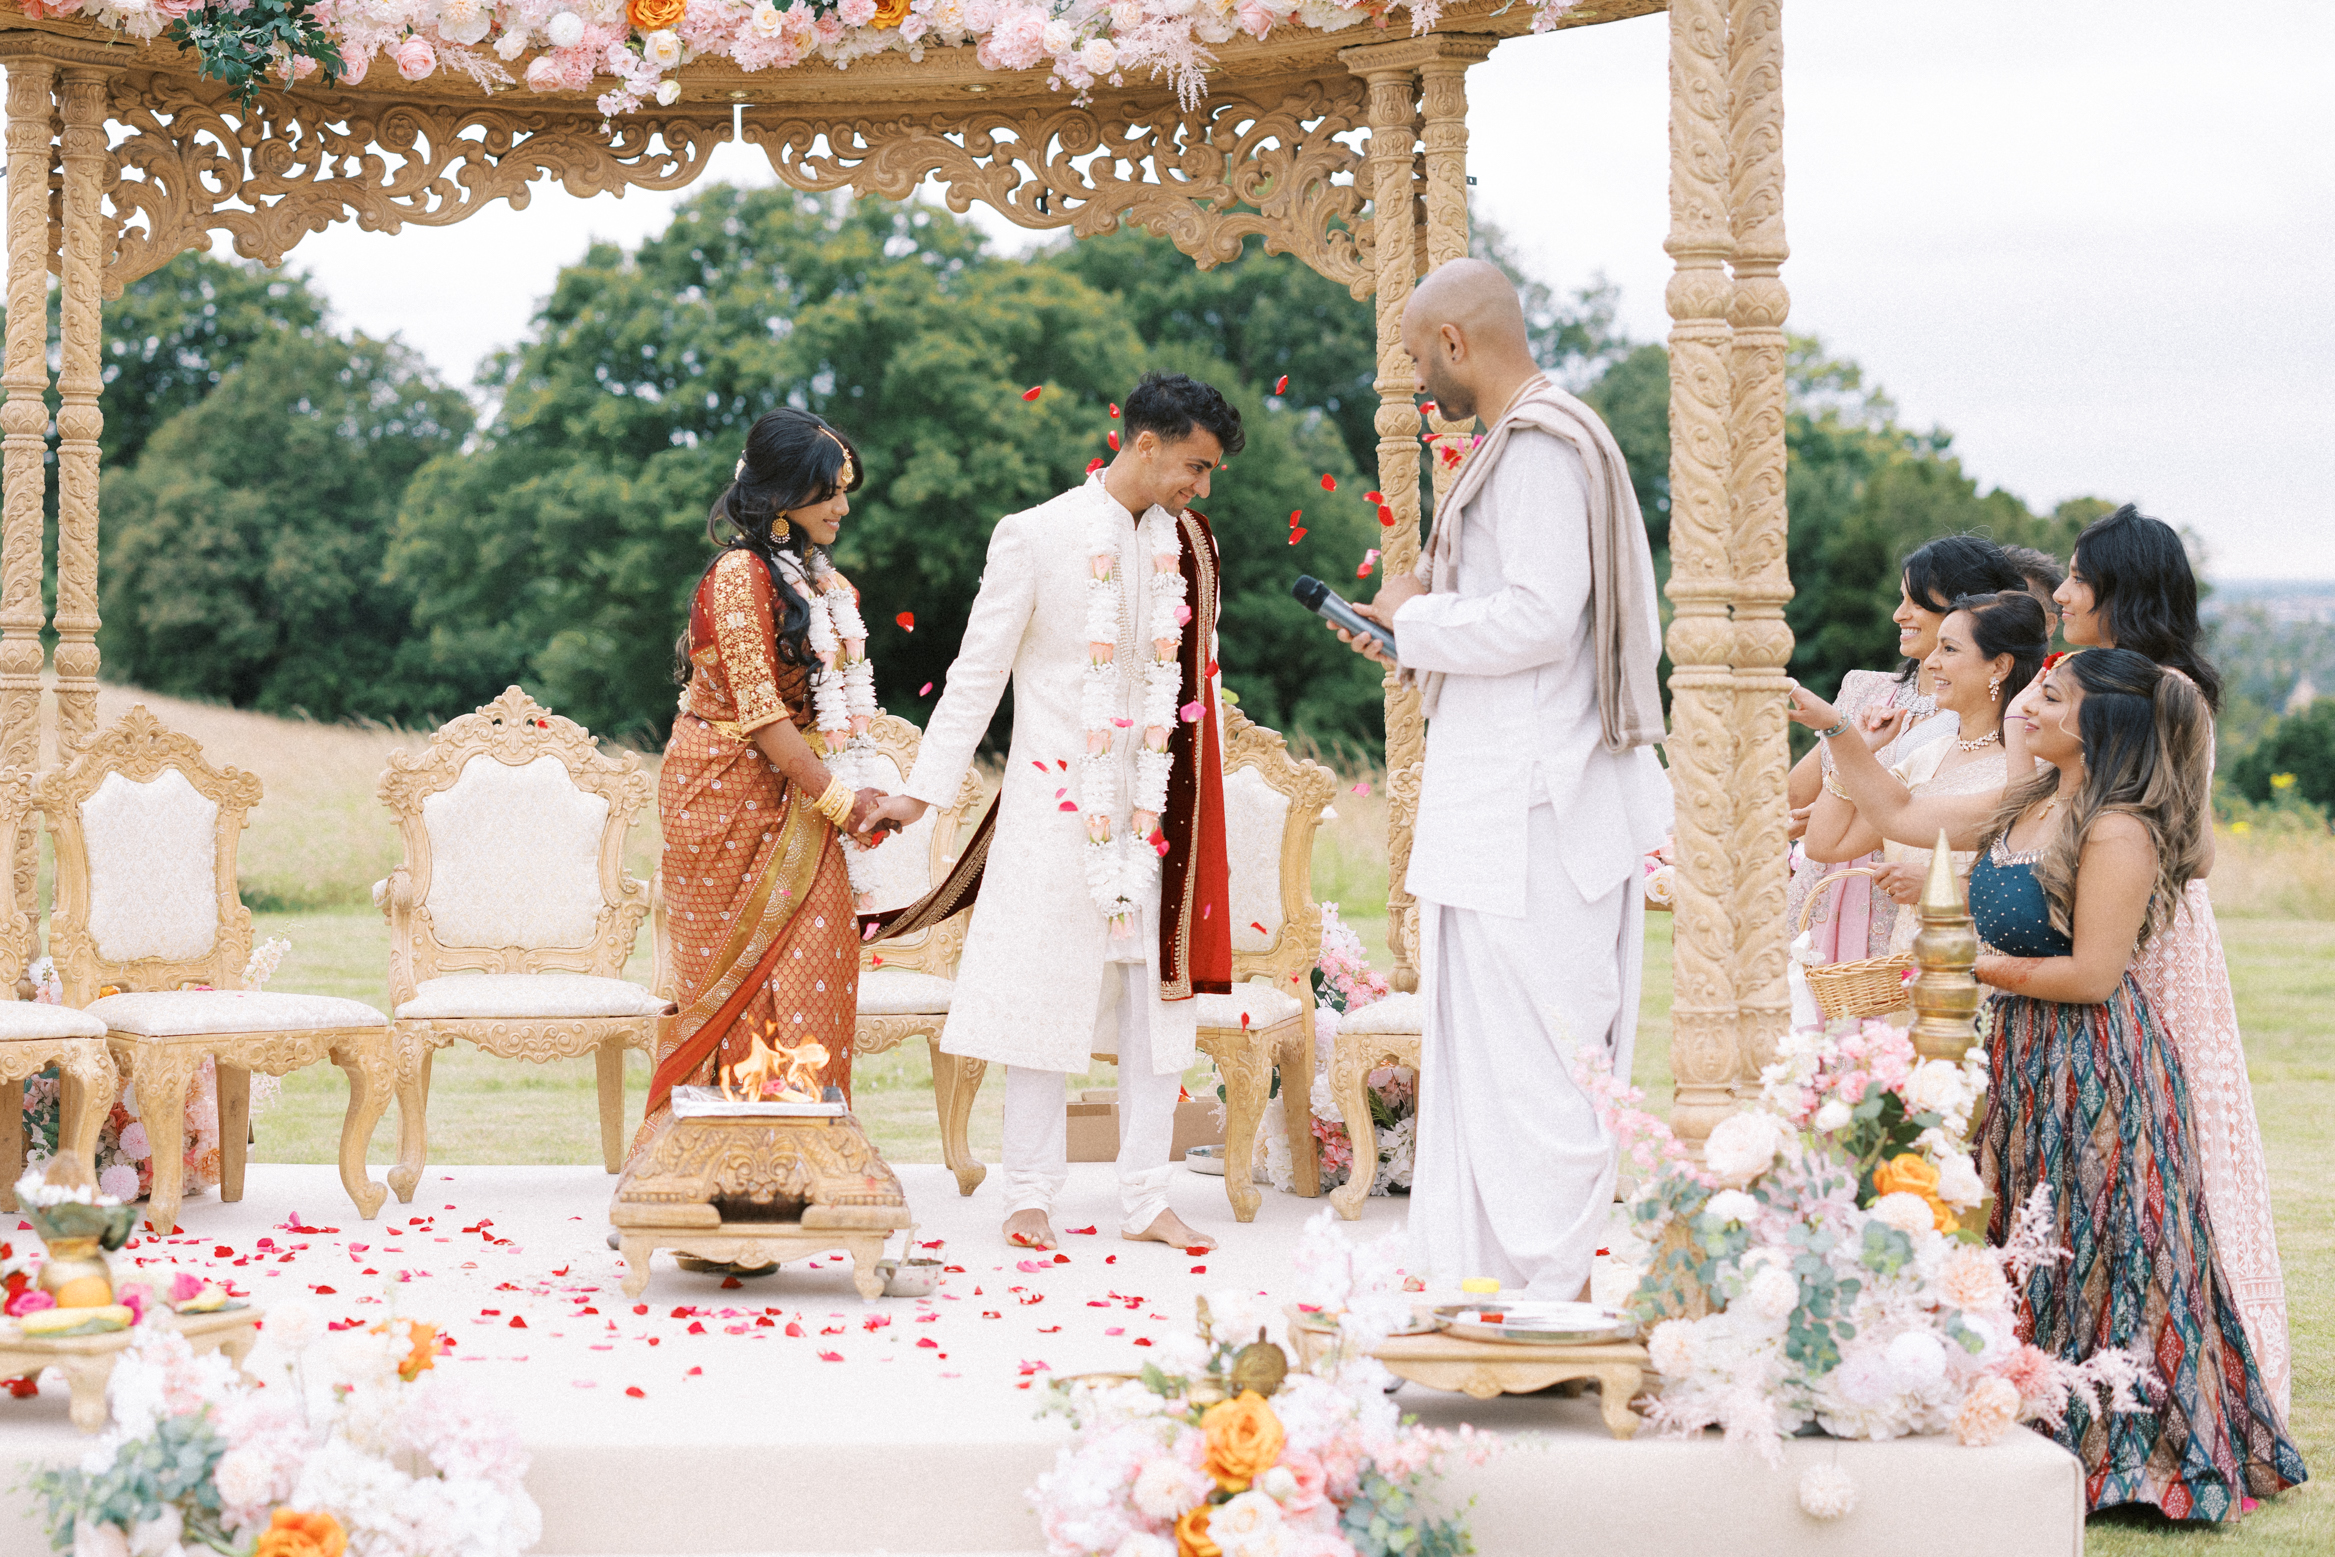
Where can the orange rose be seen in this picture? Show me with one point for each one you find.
(1244, 1439)
(1906, 1174)
(294, 1534)
(656, 15)
(421, 1351)
(1192, 1533)
(889, 13)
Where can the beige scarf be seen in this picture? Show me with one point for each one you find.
(1621, 564)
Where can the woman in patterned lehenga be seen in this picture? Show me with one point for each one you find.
(2085, 1095)
(2131, 588)
(758, 910)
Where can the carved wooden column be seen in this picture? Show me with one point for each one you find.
(1443, 87)
(1393, 93)
(82, 92)
(24, 420)
(1702, 688)
(1763, 643)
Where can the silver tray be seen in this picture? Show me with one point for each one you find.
(708, 1103)
(1532, 1322)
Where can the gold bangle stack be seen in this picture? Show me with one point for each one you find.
(1832, 787)
(835, 804)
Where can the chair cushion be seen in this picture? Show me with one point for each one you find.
(898, 992)
(179, 1013)
(514, 856)
(1255, 816)
(35, 1019)
(1263, 1006)
(489, 995)
(1396, 1013)
(153, 851)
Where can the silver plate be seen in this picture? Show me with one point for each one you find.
(1535, 1323)
(708, 1103)
(1420, 1324)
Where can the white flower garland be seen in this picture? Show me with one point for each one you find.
(1121, 871)
(843, 694)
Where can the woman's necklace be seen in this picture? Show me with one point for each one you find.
(1987, 739)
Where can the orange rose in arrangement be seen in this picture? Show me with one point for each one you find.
(889, 13)
(294, 1534)
(1192, 1533)
(656, 15)
(1244, 1439)
(1909, 1174)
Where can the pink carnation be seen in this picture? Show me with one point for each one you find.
(414, 58)
(857, 13)
(1017, 42)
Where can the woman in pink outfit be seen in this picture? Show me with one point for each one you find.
(2130, 587)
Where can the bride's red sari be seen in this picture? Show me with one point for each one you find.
(761, 934)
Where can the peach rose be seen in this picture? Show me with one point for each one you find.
(1973, 1280)
(889, 13)
(1244, 1439)
(294, 1534)
(1988, 1412)
(1192, 1533)
(655, 15)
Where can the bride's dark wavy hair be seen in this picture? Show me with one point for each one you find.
(793, 460)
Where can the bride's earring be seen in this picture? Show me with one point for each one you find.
(1994, 689)
(780, 530)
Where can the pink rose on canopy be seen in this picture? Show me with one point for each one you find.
(354, 64)
(1254, 19)
(415, 58)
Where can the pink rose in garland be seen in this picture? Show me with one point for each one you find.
(414, 58)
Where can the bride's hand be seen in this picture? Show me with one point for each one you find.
(863, 823)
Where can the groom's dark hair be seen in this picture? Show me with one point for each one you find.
(1172, 404)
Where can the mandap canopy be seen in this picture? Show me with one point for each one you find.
(141, 128)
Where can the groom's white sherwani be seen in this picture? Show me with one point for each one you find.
(1526, 862)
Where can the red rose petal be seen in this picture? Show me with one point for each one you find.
(838, 1356)
(1195, 1248)
(1094, 464)
(1199, 1270)
(636, 1392)
(518, 1323)
(1374, 497)
(1329, 483)
(927, 687)
(1282, 385)
(794, 1329)
(1114, 412)
(1114, 445)
(1386, 515)
(1068, 805)
(1295, 514)
(907, 621)
(1032, 392)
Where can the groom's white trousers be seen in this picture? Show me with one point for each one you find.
(1037, 1143)
(1514, 1178)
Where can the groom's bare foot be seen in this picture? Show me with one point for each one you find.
(1029, 1230)
(1170, 1228)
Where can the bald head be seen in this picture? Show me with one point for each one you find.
(1465, 329)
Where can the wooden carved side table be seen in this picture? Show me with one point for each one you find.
(87, 1361)
(1483, 1369)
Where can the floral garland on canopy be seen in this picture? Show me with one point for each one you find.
(636, 45)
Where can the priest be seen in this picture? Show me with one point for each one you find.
(1098, 878)
(1530, 626)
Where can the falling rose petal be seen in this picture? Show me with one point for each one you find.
(1296, 535)
(1374, 497)
(1282, 384)
(1295, 514)
(1068, 805)
(1362, 571)
(1035, 763)
(907, 621)
(922, 690)
(869, 933)
(1183, 614)
(1114, 442)
(1062, 763)
(1362, 788)
(1329, 483)
(1094, 464)
(1031, 393)
(1114, 412)
(1426, 405)
(1190, 712)
(694, 1373)
(1386, 516)
(1204, 909)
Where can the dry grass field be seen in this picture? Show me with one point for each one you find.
(321, 838)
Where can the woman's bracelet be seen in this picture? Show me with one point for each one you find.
(1832, 787)
(835, 804)
(1826, 735)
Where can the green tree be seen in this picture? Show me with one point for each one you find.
(243, 550)
(2296, 759)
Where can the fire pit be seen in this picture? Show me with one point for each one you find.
(759, 1170)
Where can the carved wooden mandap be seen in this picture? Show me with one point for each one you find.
(121, 155)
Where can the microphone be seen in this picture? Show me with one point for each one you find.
(1331, 607)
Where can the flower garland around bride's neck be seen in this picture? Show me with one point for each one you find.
(843, 690)
(1121, 871)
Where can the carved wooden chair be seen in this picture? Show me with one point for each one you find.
(511, 916)
(1273, 804)
(1383, 1033)
(146, 833)
(34, 1036)
(905, 984)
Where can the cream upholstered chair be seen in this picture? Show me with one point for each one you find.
(1273, 804)
(34, 1036)
(511, 917)
(146, 832)
(1385, 1032)
(905, 984)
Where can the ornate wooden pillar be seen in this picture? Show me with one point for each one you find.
(24, 421)
(1443, 82)
(1762, 582)
(1702, 687)
(1393, 100)
(82, 92)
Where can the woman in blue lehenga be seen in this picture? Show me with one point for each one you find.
(2077, 866)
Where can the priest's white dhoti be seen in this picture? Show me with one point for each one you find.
(1036, 1147)
(1514, 1177)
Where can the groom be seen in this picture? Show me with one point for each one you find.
(1100, 869)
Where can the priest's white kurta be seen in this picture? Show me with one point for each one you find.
(1525, 862)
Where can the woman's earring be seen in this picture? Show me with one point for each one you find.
(780, 530)
(1994, 689)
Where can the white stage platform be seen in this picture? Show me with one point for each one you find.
(784, 1415)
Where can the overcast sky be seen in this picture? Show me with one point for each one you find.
(2077, 235)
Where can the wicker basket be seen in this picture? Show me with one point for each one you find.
(1870, 986)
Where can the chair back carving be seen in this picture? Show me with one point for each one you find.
(912, 862)
(513, 822)
(146, 832)
(1273, 804)
(16, 925)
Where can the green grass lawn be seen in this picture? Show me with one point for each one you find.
(496, 1111)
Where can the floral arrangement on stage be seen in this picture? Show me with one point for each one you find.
(125, 1146)
(1218, 1450)
(1345, 981)
(347, 1443)
(631, 48)
(1816, 1268)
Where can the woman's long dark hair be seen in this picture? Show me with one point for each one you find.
(2009, 621)
(2148, 739)
(793, 460)
(2142, 585)
(1939, 573)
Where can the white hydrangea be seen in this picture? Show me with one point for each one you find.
(1672, 1348)
(1732, 1205)
(565, 30)
(1772, 1292)
(1742, 1146)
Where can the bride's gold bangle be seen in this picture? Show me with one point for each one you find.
(835, 804)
